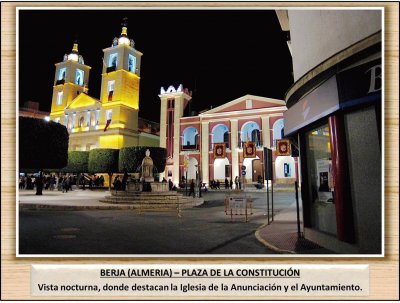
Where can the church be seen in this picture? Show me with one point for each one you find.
(112, 121)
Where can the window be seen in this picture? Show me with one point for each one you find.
(249, 104)
(61, 74)
(110, 86)
(220, 134)
(250, 132)
(65, 120)
(88, 118)
(112, 60)
(109, 114)
(132, 63)
(97, 116)
(190, 138)
(79, 77)
(277, 130)
(286, 170)
(81, 121)
(110, 89)
(59, 98)
(73, 120)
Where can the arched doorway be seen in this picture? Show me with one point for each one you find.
(221, 169)
(253, 169)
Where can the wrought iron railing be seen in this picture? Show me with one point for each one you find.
(190, 147)
(258, 144)
(227, 146)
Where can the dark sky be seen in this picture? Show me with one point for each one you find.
(226, 53)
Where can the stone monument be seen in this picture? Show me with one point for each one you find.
(147, 168)
(145, 194)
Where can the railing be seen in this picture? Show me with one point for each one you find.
(258, 144)
(62, 81)
(190, 147)
(110, 69)
(227, 146)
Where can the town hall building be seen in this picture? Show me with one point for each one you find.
(212, 145)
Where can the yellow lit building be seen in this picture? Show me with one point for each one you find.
(111, 121)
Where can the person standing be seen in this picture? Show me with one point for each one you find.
(191, 189)
(236, 182)
(231, 184)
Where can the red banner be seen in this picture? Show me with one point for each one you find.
(283, 147)
(219, 150)
(249, 150)
(107, 124)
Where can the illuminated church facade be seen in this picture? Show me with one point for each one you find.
(192, 142)
(111, 121)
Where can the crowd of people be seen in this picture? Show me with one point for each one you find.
(62, 183)
(216, 184)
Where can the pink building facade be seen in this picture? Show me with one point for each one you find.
(190, 140)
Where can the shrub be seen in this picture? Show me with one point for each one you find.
(130, 158)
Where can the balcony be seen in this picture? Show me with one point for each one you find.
(227, 146)
(259, 144)
(190, 147)
(110, 69)
(62, 81)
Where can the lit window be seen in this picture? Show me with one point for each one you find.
(132, 63)
(88, 118)
(112, 61)
(59, 98)
(81, 121)
(62, 73)
(73, 120)
(109, 114)
(124, 40)
(110, 86)
(97, 116)
(73, 57)
(79, 77)
(110, 89)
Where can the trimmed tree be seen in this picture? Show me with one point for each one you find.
(42, 145)
(77, 163)
(104, 160)
(130, 158)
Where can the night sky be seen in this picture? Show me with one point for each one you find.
(220, 55)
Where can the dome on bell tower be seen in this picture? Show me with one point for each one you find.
(123, 39)
(74, 54)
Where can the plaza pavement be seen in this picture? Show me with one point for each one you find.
(280, 235)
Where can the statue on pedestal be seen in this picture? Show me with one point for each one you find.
(147, 168)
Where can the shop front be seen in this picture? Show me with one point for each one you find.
(338, 128)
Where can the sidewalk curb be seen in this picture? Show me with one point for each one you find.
(269, 245)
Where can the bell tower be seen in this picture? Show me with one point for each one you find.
(121, 79)
(71, 79)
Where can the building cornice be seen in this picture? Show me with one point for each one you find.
(331, 66)
(244, 112)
